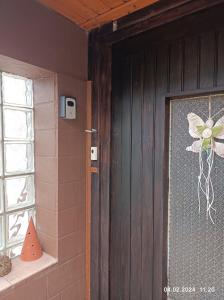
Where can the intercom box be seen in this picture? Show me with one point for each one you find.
(67, 108)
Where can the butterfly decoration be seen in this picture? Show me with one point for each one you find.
(207, 145)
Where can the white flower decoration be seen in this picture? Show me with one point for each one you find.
(206, 132)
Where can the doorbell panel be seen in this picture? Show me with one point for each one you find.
(67, 108)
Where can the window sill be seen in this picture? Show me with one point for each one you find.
(25, 270)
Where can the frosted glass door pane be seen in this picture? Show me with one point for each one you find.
(18, 124)
(18, 158)
(195, 245)
(19, 192)
(17, 224)
(16, 90)
(1, 233)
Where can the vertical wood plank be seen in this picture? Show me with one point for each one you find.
(120, 183)
(104, 161)
(136, 178)
(101, 109)
(125, 225)
(191, 63)
(116, 183)
(95, 204)
(161, 85)
(148, 175)
(220, 63)
(207, 60)
(88, 186)
(176, 59)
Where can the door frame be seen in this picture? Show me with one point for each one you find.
(101, 42)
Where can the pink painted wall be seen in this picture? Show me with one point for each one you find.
(33, 34)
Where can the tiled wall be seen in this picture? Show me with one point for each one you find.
(60, 192)
(36, 35)
(46, 161)
(71, 164)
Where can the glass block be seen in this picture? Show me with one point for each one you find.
(0, 123)
(17, 90)
(18, 124)
(16, 226)
(1, 197)
(1, 160)
(14, 251)
(1, 232)
(19, 192)
(19, 158)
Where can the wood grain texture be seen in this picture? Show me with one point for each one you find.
(158, 14)
(147, 71)
(115, 193)
(117, 12)
(88, 186)
(100, 189)
(136, 178)
(89, 14)
(105, 130)
(95, 193)
(131, 185)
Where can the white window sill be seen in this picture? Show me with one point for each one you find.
(23, 270)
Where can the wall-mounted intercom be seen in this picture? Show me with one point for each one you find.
(67, 107)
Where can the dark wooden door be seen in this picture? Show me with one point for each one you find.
(131, 193)
(147, 71)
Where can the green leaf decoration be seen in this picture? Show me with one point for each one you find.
(200, 129)
(217, 130)
(206, 144)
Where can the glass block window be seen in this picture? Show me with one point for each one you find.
(195, 245)
(17, 193)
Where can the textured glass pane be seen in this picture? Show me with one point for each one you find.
(14, 251)
(18, 158)
(16, 90)
(1, 162)
(1, 233)
(18, 124)
(19, 192)
(195, 245)
(17, 224)
(1, 197)
(0, 123)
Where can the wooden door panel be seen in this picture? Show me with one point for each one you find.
(136, 178)
(147, 71)
(131, 232)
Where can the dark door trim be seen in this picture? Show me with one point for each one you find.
(100, 62)
(100, 182)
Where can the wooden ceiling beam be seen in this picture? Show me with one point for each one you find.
(162, 13)
(114, 3)
(76, 11)
(99, 6)
(117, 12)
(89, 14)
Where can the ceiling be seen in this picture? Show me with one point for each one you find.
(89, 14)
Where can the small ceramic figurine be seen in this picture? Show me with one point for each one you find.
(5, 265)
(31, 247)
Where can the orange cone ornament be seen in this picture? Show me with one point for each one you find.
(31, 247)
